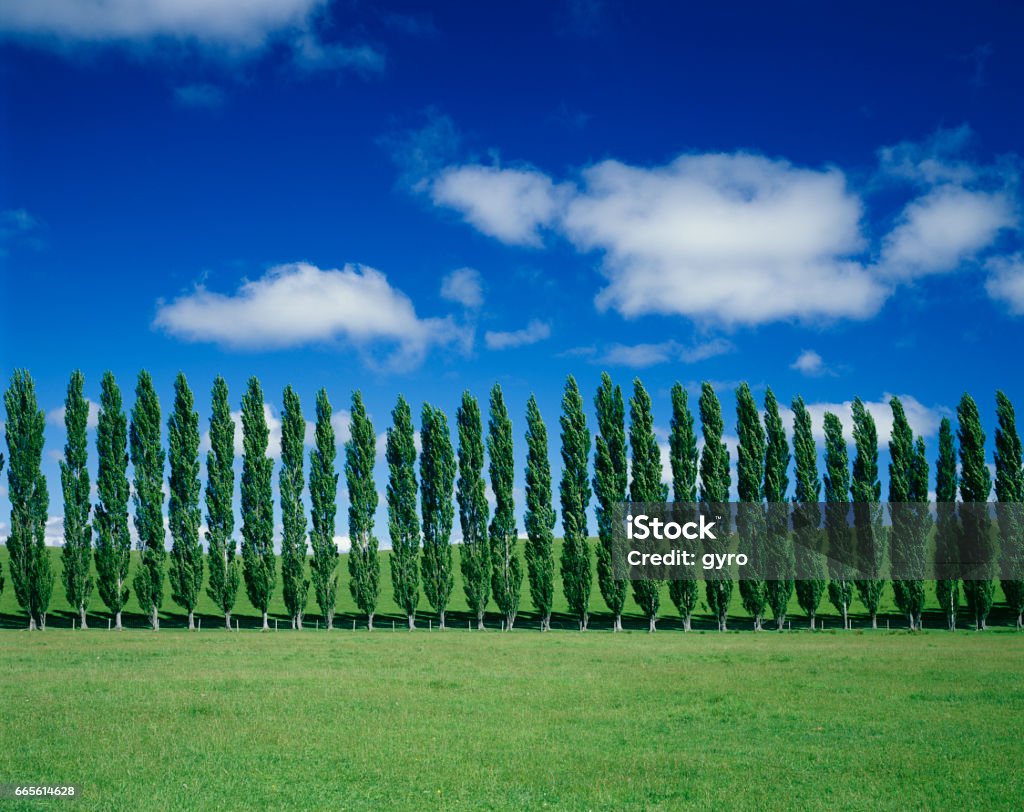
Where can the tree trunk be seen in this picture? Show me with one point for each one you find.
(154, 619)
(411, 621)
(545, 625)
(227, 620)
(191, 620)
(686, 623)
(266, 626)
(780, 623)
(480, 621)
(874, 621)
(652, 624)
(846, 617)
(509, 620)
(811, 618)
(369, 622)
(117, 621)
(617, 625)
(81, 616)
(1020, 620)
(298, 621)
(440, 620)
(330, 621)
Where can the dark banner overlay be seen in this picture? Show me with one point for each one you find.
(780, 541)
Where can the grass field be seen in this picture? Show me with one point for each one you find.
(459, 720)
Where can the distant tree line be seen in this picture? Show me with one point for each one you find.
(421, 503)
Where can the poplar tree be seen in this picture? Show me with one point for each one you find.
(975, 485)
(148, 498)
(540, 516)
(778, 542)
(403, 522)
(507, 572)
(610, 481)
(363, 563)
(259, 563)
(1010, 493)
(29, 560)
(183, 507)
(947, 527)
(908, 497)
(714, 494)
(323, 497)
(437, 479)
(113, 541)
(220, 513)
(76, 554)
(291, 483)
(2, 462)
(866, 491)
(837, 505)
(807, 514)
(646, 486)
(574, 491)
(471, 494)
(682, 444)
(750, 517)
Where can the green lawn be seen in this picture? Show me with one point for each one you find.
(481, 720)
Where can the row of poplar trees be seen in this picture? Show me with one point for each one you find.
(421, 561)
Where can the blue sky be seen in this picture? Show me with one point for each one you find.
(825, 200)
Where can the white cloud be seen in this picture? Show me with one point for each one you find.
(646, 355)
(809, 362)
(533, 332)
(508, 204)
(200, 95)
(941, 229)
(298, 304)
(1006, 282)
(310, 53)
(55, 417)
(935, 160)
(464, 287)
(923, 419)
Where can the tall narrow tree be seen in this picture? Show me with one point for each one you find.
(574, 491)
(908, 513)
(866, 491)
(750, 517)
(506, 570)
(778, 542)
(682, 445)
(2, 462)
(363, 562)
(715, 480)
(947, 527)
(113, 541)
(259, 564)
(540, 516)
(471, 495)
(437, 479)
(148, 465)
(76, 554)
(810, 586)
(646, 487)
(323, 497)
(610, 482)
(1010, 493)
(975, 486)
(220, 512)
(291, 483)
(403, 521)
(183, 507)
(29, 559)
(837, 523)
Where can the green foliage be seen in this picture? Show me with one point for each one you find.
(403, 521)
(113, 541)
(148, 465)
(646, 485)
(31, 571)
(908, 498)
(682, 449)
(975, 486)
(76, 554)
(714, 493)
(363, 563)
(323, 496)
(1010, 493)
(574, 491)
(866, 491)
(471, 495)
(750, 516)
(506, 570)
(837, 525)
(183, 507)
(220, 514)
(947, 528)
(540, 515)
(437, 479)
(778, 542)
(610, 481)
(807, 513)
(258, 559)
(291, 482)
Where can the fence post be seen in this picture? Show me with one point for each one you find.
(236, 624)
(108, 624)
(200, 625)
(353, 624)
(318, 624)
